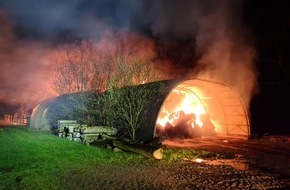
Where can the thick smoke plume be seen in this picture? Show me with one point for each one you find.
(23, 72)
(206, 39)
(226, 52)
(191, 38)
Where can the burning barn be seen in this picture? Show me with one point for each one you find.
(195, 108)
(188, 108)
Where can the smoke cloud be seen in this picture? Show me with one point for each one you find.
(208, 40)
(191, 38)
(23, 72)
(226, 50)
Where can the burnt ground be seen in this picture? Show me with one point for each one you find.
(257, 164)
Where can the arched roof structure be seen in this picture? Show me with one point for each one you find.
(46, 114)
(224, 105)
(220, 101)
(38, 118)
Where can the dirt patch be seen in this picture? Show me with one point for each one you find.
(179, 175)
(269, 152)
(261, 173)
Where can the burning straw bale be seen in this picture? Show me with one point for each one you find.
(184, 126)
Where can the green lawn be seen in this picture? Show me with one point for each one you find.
(37, 160)
(32, 159)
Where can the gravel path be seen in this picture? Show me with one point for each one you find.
(258, 172)
(270, 155)
(180, 175)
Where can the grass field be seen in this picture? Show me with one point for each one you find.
(32, 159)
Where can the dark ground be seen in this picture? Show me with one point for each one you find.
(256, 164)
(271, 152)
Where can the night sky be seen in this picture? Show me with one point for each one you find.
(186, 29)
(270, 23)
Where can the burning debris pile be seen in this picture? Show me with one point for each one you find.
(183, 116)
(185, 126)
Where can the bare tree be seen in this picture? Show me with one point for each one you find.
(110, 75)
(127, 104)
(73, 70)
(73, 74)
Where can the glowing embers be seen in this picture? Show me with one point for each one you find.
(183, 116)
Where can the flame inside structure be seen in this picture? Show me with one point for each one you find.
(185, 104)
(202, 108)
(183, 115)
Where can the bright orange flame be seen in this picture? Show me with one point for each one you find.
(190, 104)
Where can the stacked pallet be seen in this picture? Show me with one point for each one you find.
(72, 130)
